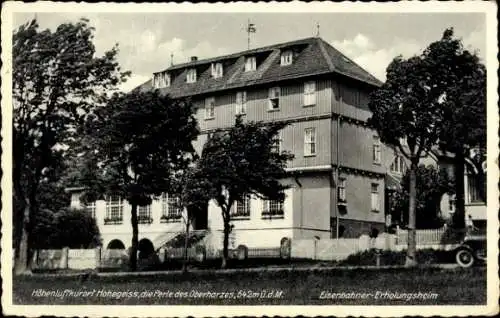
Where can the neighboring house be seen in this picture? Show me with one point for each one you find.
(339, 166)
(475, 204)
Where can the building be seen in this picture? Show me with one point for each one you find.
(475, 201)
(339, 169)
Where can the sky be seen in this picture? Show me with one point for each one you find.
(147, 40)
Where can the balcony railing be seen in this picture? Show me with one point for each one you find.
(170, 218)
(113, 221)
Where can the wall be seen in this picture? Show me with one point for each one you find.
(157, 232)
(358, 198)
(254, 231)
(291, 108)
(312, 206)
(291, 104)
(356, 147)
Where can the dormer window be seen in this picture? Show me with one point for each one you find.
(161, 80)
(191, 76)
(250, 63)
(286, 58)
(217, 70)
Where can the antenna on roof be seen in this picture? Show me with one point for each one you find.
(250, 29)
(171, 59)
(317, 29)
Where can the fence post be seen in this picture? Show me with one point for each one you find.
(364, 243)
(34, 259)
(97, 257)
(64, 258)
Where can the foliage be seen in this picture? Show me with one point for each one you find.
(241, 161)
(138, 147)
(57, 80)
(412, 106)
(464, 84)
(65, 228)
(431, 185)
(397, 258)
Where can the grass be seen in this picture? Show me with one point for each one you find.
(457, 286)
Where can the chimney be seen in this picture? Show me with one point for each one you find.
(194, 58)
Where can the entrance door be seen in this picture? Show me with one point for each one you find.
(200, 221)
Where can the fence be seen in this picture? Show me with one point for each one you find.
(336, 249)
(443, 235)
(78, 258)
(323, 249)
(340, 249)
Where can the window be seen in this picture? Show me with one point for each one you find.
(310, 93)
(191, 75)
(375, 198)
(310, 142)
(161, 80)
(398, 165)
(274, 98)
(273, 208)
(376, 150)
(474, 193)
(276, 143)
(241, 103)
(144, 214)
(114, 210)
(209, 108)
(451, 203)
(250, 63)
(242, 208)
(286, 58)
(90, 208)
(341, 190)
(170, 210)
(217, 70)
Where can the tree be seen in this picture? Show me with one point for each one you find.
(140, 142)
(191, 190)
(431, 185)
(464, 131)
(408, 113)
(241, 161)
(57, 81)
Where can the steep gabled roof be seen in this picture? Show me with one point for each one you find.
(313, 56)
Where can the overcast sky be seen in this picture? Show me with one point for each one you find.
(146, 40)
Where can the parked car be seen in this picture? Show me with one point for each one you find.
(471, 251)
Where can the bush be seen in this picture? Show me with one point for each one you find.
(67, 228)
(388, 258)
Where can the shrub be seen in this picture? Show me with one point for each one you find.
(388, 258)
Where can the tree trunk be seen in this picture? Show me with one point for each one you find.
(412, 244)
(186, 240)
(459, 215)
(22, 258)
(135, 238)
(225, 251)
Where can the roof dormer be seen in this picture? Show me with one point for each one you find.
(286, 57)
(161, 79)
(217, 69)
(191, 75)
(250, 63)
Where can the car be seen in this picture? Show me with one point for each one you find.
(471, 251)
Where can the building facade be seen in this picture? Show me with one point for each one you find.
(337, 175)
(474, 196)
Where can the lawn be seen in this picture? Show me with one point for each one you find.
(422, 286)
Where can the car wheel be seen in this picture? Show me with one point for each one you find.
(464, 258)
